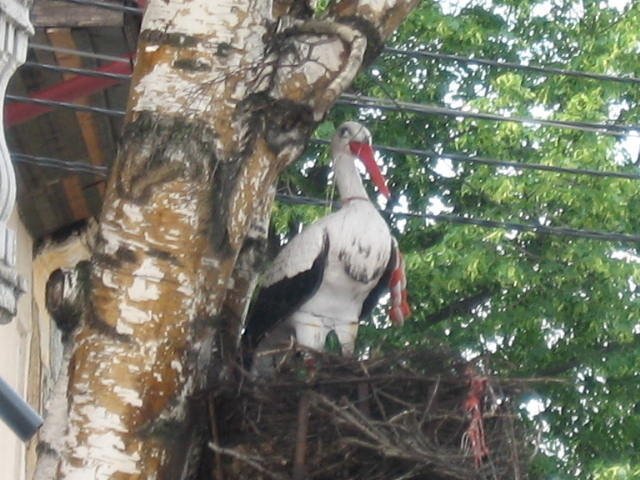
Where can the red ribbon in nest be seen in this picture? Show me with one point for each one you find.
(473, 439)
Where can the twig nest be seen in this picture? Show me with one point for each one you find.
(402, 416)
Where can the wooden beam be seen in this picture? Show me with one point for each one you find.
(73, 189)
(54, 13)
(68, 90)
(86, 121)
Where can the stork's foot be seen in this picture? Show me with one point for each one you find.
(311, 364)
(306, 364)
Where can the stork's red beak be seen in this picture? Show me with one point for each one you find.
(365, 153)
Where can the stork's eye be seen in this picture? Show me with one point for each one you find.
(344, 132)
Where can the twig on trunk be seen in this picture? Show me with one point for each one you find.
(219, 475)
(299, 462)
(246, 459)
(363, 394)
(425, 414)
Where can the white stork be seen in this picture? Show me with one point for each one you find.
(332, 274)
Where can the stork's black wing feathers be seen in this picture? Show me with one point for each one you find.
(383, 284)
(279, 300)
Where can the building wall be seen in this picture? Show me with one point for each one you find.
(15, 342)
(30, 345)
(49, 257)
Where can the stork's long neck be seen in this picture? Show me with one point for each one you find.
(347, 177)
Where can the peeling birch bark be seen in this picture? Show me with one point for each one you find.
(51, 437)
(243, 281)
(221, 101)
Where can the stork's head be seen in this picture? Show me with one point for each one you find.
(354, 140)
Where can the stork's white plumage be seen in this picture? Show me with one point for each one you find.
(331, 275)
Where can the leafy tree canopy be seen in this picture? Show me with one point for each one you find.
(523, 304)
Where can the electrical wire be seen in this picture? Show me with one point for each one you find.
(77, 71)
(493, 224)
(396, 106)
(426, 54)
(421, 54)
(71, 106)
(78, 53)
(362, 101)
(102, 171)
(109, 6)
(372, 102)
(56, 163)
(408, 151)
(457, 157)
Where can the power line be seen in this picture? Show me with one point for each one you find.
(109, 6)
(410, 151)
(79, 53)
(458, 157)
(494, 224)
(102, 171)
(362, 101)
(420, 54)
(425, 54)
(423, 153)
(391, 105)
(77, 71)
(58, 164)
(71, 106)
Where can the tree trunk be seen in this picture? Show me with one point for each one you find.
(223, 97)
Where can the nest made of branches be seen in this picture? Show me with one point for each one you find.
(401, 416)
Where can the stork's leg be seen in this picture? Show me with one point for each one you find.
(310, 331)
(346, 333)
(272, 351)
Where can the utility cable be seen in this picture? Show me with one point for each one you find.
(71, 106)
(493, 224)
(458, 157)
(56, 163)
(362, 101)
(109, 6)
(421, 54)
(424, 54)
(102, 171)
(85, 72)
(397, 106)
(409, 151)
(78, 53)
